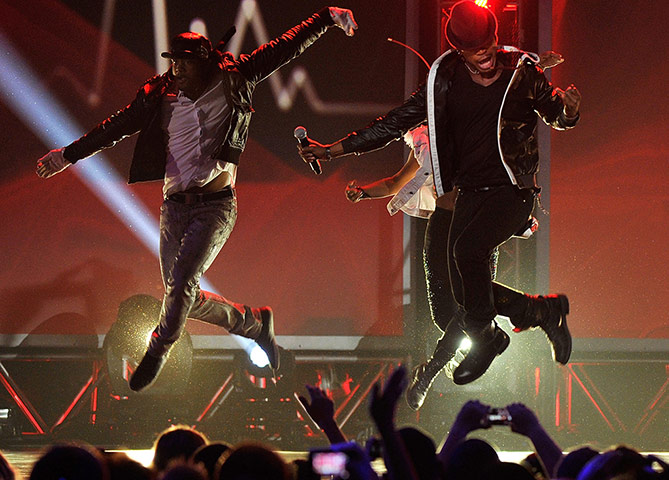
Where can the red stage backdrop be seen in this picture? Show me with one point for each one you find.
(610, 176)
(326, 266)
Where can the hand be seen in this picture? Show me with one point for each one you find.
(353, 192)
(52, 163)
(358, 462)
(550, 59)
(314, 151)
(343, 18)
(320, 409)
(571, 99)
(523, 420)
(384, 404)
(472, 416)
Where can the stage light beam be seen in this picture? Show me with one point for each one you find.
(258, 357)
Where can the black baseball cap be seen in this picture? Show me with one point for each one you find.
(189, 45)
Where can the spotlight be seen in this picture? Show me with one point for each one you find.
(126, 342)
(258, 357)
(254, 365)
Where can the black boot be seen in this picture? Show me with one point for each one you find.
(486, 345)
(266, 339)
(147, 372)
(549, 313)
(424, 374)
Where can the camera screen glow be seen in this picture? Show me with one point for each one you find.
(329, 463)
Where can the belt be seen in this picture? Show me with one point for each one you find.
(484, 188)
(190, 198)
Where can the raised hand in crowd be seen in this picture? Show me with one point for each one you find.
(321, 411)
(472, 416)
(382, 407)
(525, 422)
(384, 400)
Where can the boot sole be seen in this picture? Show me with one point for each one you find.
(564, 306)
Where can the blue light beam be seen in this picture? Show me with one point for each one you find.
(48, 120)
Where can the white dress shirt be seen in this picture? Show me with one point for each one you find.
(195, 131)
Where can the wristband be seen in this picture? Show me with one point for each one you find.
(568, 118)
(328, 154)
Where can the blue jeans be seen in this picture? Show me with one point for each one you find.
(190, 238)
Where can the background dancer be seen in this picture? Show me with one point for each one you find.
(193, 125)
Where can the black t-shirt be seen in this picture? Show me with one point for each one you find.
(473, 112)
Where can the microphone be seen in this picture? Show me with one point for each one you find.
(300, 134)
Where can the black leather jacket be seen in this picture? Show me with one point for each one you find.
(528, 93)
(241, 77)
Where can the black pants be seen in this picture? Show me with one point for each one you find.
(483, 220)
(443, 307)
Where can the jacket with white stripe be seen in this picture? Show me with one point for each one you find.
(527, 95)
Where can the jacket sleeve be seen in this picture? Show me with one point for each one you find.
(389, 127)
(267, 58)
(127, 121)
(548, 103)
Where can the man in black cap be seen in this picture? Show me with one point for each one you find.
(193, 125)
(480, 102)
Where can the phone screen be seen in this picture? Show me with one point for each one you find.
(328, 463)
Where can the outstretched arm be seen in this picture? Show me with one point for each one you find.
(384, 187)
(382, 131)
(267, 58)
(125, 122)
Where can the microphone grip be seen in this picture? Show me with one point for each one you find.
(314, 164)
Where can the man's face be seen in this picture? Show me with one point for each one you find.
(484, 59)
(189, 73)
